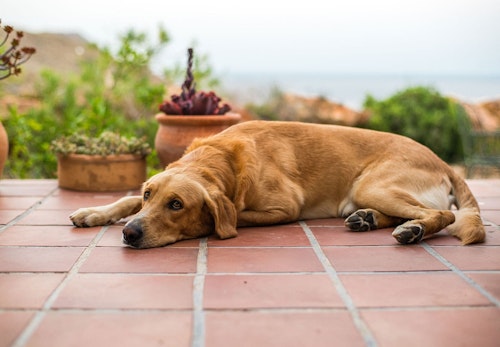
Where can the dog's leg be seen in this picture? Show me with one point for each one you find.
(107, 214)
(369, 219)
(421, 220)
(415, 230)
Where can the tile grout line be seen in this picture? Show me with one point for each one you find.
(341, 290)
(35, 322)
(198, 334)
(460, 273)
(28, 211)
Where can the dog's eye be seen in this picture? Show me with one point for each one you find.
(147, 193)
(175, 205)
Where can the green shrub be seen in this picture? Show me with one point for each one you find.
(422, 114)
(29, 144)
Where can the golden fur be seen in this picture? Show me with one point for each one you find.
(261, 173)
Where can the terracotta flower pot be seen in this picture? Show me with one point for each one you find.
(4, 147)
(103, 174)
(175, 133)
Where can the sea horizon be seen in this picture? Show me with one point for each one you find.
(351, 89)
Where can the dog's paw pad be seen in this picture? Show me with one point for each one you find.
(406, 234)
(79, 224)
(361, 220)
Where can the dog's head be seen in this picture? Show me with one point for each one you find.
(176, 206)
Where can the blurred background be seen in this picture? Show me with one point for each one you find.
(338, 49)
(323, 61)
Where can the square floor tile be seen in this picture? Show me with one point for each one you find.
(369, 258)
(472, 257)
(457, 327)
(38, 259)
(488, 281)
(17, 203)
(27, 187)
(47, 217)
(125, 329)
(75, 200)
(47, 235)
(262, 260)
(281, 235)
(269, 291)
(7, 215)
(25, 291)
(70, 192)
(296, 328)
(120, 291)
(12, 323)
(335, 236)
(411, 290)
(124, 259)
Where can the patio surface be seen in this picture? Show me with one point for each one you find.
(311, 283)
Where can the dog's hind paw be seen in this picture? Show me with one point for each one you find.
(361, 220)
(408, 233)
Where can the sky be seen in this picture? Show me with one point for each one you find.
(276, 36)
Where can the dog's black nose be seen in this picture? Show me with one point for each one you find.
(132, 233)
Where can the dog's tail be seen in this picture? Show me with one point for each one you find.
(468, 226)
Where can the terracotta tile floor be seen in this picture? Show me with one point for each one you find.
(305, 284)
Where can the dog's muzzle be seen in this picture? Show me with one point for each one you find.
(132, 233)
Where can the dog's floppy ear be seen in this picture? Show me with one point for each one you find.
(223, 213)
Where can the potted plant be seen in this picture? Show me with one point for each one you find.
(10, 60)
(189, 115)
(108, 162)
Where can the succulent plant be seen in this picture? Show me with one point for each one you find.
(108, 143)
(191, 102)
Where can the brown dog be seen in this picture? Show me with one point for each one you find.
(261, 173)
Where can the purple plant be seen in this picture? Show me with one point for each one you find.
(14, 55)
(191, 102)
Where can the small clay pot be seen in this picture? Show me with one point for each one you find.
(101, 173)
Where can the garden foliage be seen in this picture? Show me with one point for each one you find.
(422, 114)
(115, 91)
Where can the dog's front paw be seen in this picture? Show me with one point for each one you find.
(408, 233)
(361, 220)
(89, 217)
